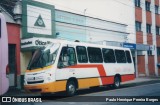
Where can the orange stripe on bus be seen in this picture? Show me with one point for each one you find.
(100, 68)
(39, 69)
(88, 82)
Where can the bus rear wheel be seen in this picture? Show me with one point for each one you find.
(117, 82)
(71, 88)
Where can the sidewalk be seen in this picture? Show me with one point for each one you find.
(143, 80)
(137, 81)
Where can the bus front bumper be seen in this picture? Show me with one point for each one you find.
(56, 86)
(41, 88)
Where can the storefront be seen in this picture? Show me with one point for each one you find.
(138, 53)
(14, 53)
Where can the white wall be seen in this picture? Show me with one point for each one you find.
(113, 10)
(104, 30)
(96, 35)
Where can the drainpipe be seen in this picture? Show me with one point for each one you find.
(18, 12)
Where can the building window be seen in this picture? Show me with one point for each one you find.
(137, 3)
(149, 52)
(157, 30)
(148, 28)
(148, 6)
(138, 26)
(139, 53)
(158, 51)
(156, 9)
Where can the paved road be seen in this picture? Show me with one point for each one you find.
(140, 90)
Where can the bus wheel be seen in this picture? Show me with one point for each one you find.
(71, 88)
(117, 82)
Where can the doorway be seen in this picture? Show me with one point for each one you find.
(12, 65)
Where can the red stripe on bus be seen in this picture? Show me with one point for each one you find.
(101, 71)
(127, 77)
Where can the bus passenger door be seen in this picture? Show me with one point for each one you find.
(67, 60)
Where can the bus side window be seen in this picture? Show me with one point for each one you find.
(82, 54)
(120, 56)
(94, 55)
(72, 56)
(128, 56)
(108, 55)
(67, 57)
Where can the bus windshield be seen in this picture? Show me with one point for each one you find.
(44, 56)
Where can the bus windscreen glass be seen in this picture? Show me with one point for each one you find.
(44, 57)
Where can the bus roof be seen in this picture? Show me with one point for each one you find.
(87, 44)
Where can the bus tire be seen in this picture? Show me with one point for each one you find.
(71, 88)
(117, 82)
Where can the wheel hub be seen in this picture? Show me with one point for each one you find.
(71, 88)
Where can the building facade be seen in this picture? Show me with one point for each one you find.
(13, 30)
(147, 24)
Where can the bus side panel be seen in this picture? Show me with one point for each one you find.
(125, 70)
(86, 77)
(4, 83)
(125, 78)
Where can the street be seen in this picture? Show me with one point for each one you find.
(91, 96)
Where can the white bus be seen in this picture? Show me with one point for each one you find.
(69, 66)
(4, 82)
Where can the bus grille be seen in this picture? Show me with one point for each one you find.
(34, 82)
(35, 90)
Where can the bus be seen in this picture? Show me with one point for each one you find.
(69, 66)
(4, 82)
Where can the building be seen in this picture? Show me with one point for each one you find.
(147, 24)
(14, 47)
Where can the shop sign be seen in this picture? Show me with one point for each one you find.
(37, 19)
(34, 42)
(39, 22)
(142, 47)
(151, 47)
(41, 43)
(129, 45)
